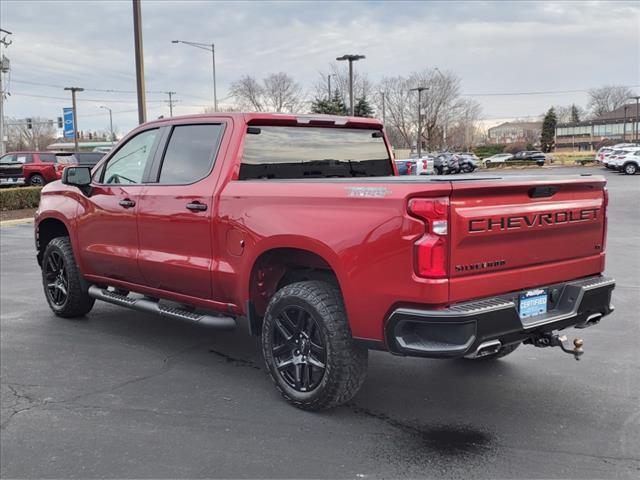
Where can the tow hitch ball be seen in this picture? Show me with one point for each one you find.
(555, 340)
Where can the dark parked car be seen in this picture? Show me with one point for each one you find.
(529, 155)
(446, 163)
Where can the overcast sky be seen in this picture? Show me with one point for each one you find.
(494, 48)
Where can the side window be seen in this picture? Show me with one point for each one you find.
(48, 157)
(24, 158)
(190, 153)
(128, 164)
(7, 159)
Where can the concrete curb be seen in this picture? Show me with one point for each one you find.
(16, 221)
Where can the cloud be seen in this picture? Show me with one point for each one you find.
(493, 46)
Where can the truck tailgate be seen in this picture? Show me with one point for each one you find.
(523, 232)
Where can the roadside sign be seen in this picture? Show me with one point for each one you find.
(68, 122)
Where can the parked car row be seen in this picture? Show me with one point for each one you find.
(438, 163)
(36, 168)
(622, 158)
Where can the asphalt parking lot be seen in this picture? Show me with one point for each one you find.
(125, 394)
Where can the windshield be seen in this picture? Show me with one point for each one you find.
(308, 152)
(13, 159)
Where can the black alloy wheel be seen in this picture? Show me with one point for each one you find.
(298, 349)
(56, 278)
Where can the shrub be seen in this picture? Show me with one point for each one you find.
(17, 198)
(484, 151)
(515, 147)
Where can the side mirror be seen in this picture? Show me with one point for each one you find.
(77, 176)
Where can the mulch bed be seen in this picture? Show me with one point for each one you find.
(16, 214)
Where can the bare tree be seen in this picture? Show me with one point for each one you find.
(278, 92)
(607, 98)
(248, 93)
(442, 108)
(565, 113)
(339, 73)
(282, 93)
(20, 137)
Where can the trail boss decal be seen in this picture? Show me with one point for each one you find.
(534, 220)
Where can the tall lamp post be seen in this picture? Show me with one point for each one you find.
(350, 59)
(210, 48)
(73, 91)
(419, 90)
(637, 99)
(110, 122)
(444, 126)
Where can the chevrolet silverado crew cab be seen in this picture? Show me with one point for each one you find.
(297, 229)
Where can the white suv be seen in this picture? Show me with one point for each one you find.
(628, 161)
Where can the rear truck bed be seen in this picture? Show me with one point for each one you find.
(525, 257)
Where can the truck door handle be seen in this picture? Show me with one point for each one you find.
(196, 206)
(127, 203)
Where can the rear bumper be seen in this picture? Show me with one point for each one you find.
(461, 329)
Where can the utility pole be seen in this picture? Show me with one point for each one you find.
(211, 48)
(419, 143)
(137, 34)
(73, 91)
(624, 124)
(4, 68)
(383, 108)
(350, 59)
(110, 122)
(170, 102)
(637, 98)
(329, 85)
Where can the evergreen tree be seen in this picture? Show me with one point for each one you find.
(333, 106)
(362, 108)
(547, 139)
(575, 113)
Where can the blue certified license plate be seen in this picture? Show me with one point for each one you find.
(532, 303)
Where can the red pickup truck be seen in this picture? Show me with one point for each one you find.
(298, 229)
(38, 174)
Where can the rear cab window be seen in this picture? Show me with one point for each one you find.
(190, 153)
(282, 152)
(47, 157)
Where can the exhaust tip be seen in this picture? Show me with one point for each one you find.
(486, 348)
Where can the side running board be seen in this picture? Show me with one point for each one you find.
(151, 306)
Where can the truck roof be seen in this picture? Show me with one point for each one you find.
(263, 118)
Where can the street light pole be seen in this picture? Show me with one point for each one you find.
(624, 124)
(110, 122)
(350, 59)
(419, 143)
(329, 85)
(637, 98)
(4, 68)
(137, 34)
(383, 108)
(210, 47)
(73, 91)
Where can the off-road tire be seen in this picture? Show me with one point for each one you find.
(503, 352)
(78, 302)
(345, 362)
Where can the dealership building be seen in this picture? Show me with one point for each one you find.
(619, 125)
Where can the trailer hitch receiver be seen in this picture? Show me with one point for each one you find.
(554, 340)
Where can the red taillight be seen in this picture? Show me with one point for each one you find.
(431, 250)
(605, 204)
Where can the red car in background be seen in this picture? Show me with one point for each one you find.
(12, 166)
(37, 174)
